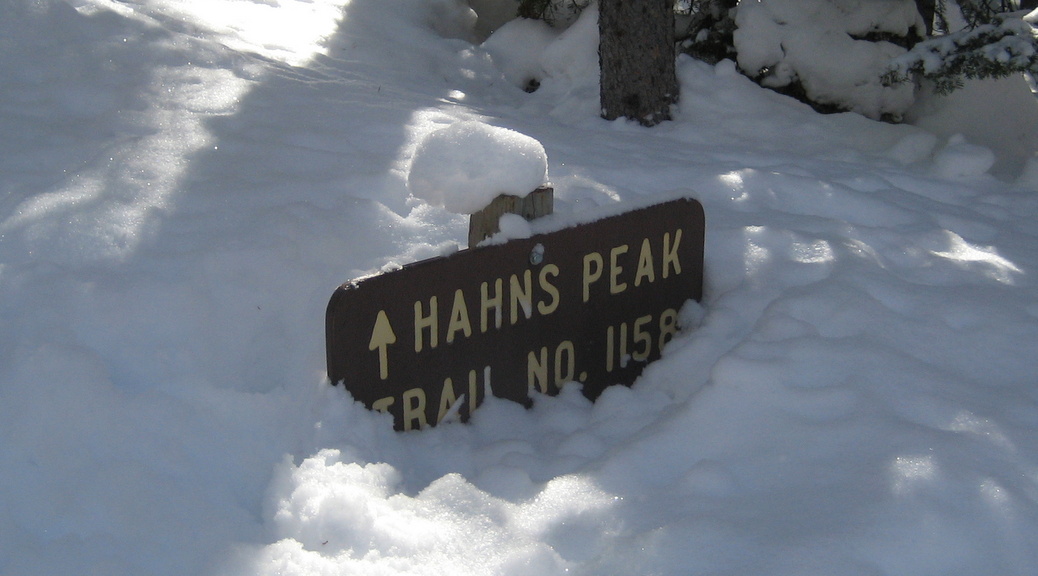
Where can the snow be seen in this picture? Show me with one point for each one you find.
(562, 66)
(517, 47)
(464, 166)
(819, 43)
(960, 159)
(183, 188)
(969, 112)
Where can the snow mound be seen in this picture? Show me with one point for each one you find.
(466, 165)
(574, 54)
(517, 48)
(960, 159)
(561, 68)
(1007, 129)
(824, 46)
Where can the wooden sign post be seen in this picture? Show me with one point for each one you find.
(485, 223)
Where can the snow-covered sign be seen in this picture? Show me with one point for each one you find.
(591, 304)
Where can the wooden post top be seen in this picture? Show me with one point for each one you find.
(485, 223)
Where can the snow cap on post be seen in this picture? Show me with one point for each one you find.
(464, 166)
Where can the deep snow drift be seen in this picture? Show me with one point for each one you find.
(185, 183)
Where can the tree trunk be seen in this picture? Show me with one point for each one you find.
(636, 56)
(927, 9)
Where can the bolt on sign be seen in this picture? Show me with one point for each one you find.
(592, 304)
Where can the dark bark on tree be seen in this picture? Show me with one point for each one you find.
(636, 56)
(927, 9)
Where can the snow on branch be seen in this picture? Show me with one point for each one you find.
(1006, 46)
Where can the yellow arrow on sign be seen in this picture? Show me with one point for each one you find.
(382, 336)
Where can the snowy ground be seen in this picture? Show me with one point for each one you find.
(184, 183)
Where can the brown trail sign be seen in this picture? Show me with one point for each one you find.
(592, 304)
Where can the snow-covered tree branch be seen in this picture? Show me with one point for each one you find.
(1008, 45)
